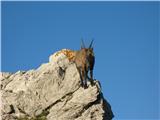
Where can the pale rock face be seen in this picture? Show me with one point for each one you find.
(52, 92)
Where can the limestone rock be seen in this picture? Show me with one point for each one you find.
(52, 92)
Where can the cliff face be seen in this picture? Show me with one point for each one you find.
(52, 92)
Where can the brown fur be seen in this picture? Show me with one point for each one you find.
(84, 60)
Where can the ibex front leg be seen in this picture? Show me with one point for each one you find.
(84, 79)
(81, 76)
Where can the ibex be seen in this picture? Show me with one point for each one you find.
(84, 60)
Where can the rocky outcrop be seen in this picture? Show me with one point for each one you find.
(51, 92)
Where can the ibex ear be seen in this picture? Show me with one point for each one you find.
(82, 44)
(90, 46)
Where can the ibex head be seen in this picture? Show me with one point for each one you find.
(89, 50)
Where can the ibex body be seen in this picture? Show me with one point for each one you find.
(84, 60)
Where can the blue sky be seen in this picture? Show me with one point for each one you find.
(126, 46)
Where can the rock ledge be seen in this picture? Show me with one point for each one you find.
(52, 92)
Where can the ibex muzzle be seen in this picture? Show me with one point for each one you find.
(84, 60)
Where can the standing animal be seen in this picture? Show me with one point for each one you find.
(84, 60)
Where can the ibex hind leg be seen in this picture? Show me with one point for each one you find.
(91, 79)
(85, 79)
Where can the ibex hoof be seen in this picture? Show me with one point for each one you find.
(85, 86)
(92, 83)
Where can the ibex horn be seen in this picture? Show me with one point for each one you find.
(91, 44)
(82, 44)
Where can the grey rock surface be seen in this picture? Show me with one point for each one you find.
(51, 92)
